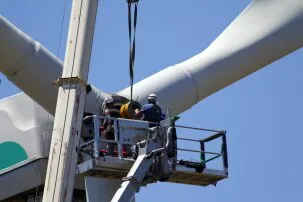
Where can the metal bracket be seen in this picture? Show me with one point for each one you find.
(69, 80)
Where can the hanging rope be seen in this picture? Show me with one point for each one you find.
(132, 44)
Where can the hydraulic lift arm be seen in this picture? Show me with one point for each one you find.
(148, 150)
(132, 182)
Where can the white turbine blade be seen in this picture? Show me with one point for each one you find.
(264, 32)
(28, 65)
(32, 68)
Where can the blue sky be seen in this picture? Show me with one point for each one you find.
(262, 113)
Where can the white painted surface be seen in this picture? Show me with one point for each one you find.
(29, 126)
(264, 32)
(59, 182)
(32, 68)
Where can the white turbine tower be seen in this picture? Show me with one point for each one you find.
(263, 33)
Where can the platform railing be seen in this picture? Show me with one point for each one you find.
(97, 140)
(97, 134)
(216, 134)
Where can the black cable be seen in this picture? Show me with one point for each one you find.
(132, 44)
(134, 48)
(131, 71)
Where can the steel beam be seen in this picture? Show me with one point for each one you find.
(70, 103)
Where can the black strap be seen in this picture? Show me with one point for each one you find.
(198, 166)
(132, 44)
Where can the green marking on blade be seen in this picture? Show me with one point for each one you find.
(10, 154)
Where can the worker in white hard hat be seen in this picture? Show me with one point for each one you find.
(151, 112)
(106, 105)
(107, 124)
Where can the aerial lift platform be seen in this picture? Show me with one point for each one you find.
(145, 154)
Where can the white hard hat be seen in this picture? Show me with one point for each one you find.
(152, 98)
(108, 100)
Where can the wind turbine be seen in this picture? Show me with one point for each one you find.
(237, 52)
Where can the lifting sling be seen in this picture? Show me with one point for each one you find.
(132, 44)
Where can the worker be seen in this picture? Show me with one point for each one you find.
(107, 124)
(151, 112)
(106, 106)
